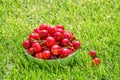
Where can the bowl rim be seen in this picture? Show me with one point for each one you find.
(51, 60)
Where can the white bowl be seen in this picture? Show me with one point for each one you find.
(54, 62)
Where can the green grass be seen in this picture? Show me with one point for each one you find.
(96, 23)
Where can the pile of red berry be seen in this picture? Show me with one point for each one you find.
(49, 42)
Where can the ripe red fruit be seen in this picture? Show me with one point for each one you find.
(33, 36)
(60, 26)
(55, 50)
(51, 30)
(65, 52)
(43, 34)
(59, 30)
(46, 54)
(36, 30)
(92, 54)
(26, 44)
(43, 27)
(65, 42)
(36, 47)
(68, 36)
(58, 36)
(30, 51)
(95, 61)
(39, 55)
(70, 51)
(76, 44)
(50, 41)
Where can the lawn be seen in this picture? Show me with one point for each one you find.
(96, 23)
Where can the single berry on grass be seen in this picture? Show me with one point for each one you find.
(92, 54)
(96, 62)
